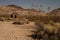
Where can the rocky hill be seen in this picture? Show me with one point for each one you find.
(8, 9)
(55, 12)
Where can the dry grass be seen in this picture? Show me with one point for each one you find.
(48, 31)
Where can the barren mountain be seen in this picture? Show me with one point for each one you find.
(55, 12)
(8, 9)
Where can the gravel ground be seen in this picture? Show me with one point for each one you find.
(8, 31)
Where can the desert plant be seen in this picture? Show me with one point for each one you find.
(39, 33)
(18, 23)
(58, 34)
(45, 34)
(46, 37)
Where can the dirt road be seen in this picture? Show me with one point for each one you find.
(8, 31)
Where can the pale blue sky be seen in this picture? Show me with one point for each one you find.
(28, 3)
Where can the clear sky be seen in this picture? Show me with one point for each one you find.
(28, 3)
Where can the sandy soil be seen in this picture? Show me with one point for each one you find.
(8, 31)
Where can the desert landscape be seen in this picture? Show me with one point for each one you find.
(9, 31)
(18, 23)
(14, 25)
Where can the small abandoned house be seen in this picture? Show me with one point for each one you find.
(14, 15)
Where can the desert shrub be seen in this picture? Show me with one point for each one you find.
(46, 37)
(45, 34)
(39, 33)
(2, 19)
(21, 21)
(18, 23)
(58, 34)
(55, 18)
(52, 23)
(44, 19)
(33, 18)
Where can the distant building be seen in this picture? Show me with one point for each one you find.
(14, 15)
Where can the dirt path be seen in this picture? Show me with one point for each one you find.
(9, 31)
